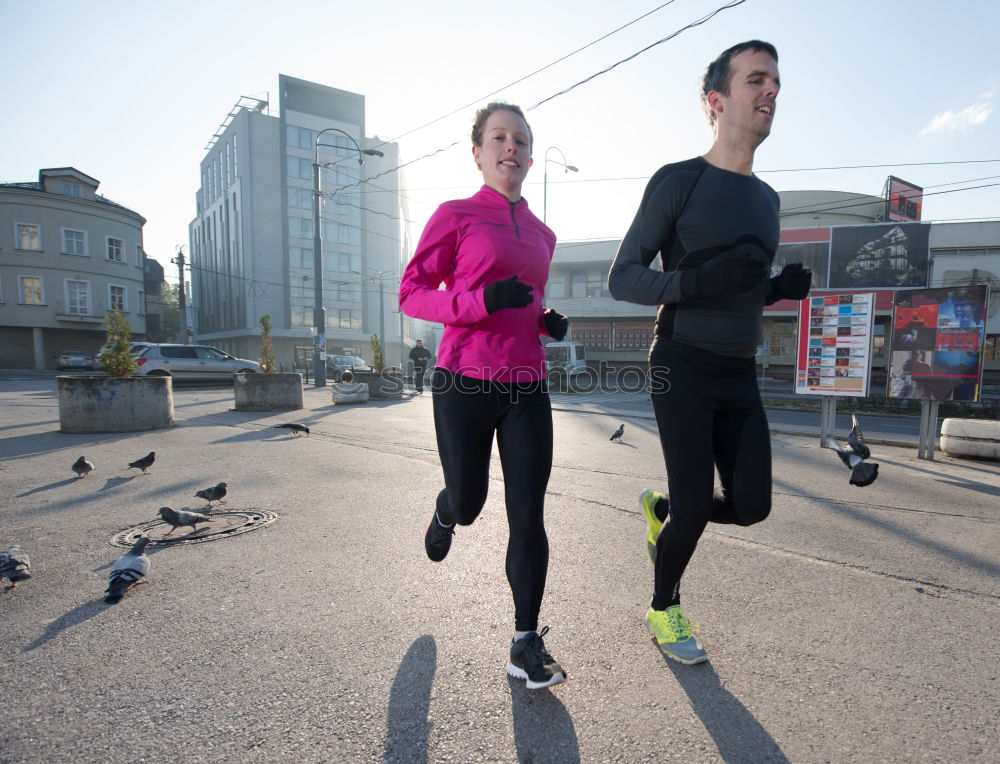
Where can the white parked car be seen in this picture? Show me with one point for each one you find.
(200, 362)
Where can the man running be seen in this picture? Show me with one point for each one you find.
(715, 226)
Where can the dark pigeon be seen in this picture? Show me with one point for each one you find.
(82, 467)
(855, 439)
(182, 518)
(144, 463)
(14, 565)
(128, 571)
(617, 434)
(215, 493)
(295, 428)
(853, 456)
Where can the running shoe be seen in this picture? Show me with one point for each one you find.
(649, 499)
(673, 635)
(437, 540)
(530, 660)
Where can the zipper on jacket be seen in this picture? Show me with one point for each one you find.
(513, 219)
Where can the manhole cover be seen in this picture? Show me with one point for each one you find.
(221, 526)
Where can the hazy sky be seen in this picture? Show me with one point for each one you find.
(130, 93)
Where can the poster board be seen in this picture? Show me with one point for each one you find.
(937, 343)
(834, 347)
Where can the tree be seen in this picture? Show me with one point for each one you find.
(170, 316)
(267, 362)
(115, 357)
(378, 357)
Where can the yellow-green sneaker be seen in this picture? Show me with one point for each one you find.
(649, 499)
(673, 635)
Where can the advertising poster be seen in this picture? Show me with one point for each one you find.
(835, 339)
(886, 256)
(903, 200)
(937, 343)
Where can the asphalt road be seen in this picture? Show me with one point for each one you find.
(853, 625)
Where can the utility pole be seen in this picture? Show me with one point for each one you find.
(181, 298)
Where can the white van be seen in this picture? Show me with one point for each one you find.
(570, 356)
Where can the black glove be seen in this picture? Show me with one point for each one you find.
(793, 283)
(556, 324)
(509, 293)
(720, 276)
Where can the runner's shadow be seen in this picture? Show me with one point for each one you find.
(737, 733)
(543, 729)
(408, 725)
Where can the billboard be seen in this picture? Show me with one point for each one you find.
(834, 350)
(813, 255)
(903, 201)
(889, 255)
(937, 343)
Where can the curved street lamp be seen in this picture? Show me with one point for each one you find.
(545, 184)
(319, 312)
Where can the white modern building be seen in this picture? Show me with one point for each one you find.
(252, 241)
(68, 256)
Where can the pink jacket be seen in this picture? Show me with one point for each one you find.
(467, 244)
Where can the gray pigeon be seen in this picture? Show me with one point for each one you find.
(215, 493)
(295, 428)
(853, 456)
(82, 467)
(855, 439)
(617, 434)
(144, 463)
(128, 571)
(182, 518)
(14, 565)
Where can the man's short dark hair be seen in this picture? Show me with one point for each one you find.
(719, 74)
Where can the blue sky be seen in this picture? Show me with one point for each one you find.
(131, 93)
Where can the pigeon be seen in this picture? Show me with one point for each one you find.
(128, 571)
(296, 428)
(617, 434)
(855, 439)
(14, 565)
(853, 456)
(180, 518)
(144, 463)
(82, 467)
(215, 493)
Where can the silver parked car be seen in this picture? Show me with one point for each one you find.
(75, 359)
(201, 362)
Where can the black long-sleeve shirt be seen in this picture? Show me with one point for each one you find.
(692, 212)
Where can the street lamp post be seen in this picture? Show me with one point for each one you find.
(319, 311)
(545, 175)
(381, 307)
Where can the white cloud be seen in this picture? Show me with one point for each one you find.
(966, 119)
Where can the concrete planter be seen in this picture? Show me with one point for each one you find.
(115, 404)
(349, 392)
(978, 438)
(382, 386)
(267, 392)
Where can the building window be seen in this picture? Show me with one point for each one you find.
(300, 228)
(28, 236)
(116, 298)
(72, 189)
(300, 257)
(74, 242)
(991, 349)
(344, 319)
(141, 307)
(32, 290)
(139, 256)
(579, 281)
(348, 263)
(300, 168)
(116, 250)
(556, 286)
(77, 297)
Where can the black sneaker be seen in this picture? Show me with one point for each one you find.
(531, 661)
(437, 540)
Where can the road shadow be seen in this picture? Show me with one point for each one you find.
(49, 487)
(953, 480)
(74, 617)
(736, 731)
(409, 727)
(543, 728)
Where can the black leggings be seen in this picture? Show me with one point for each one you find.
(709, 414)
(467, 412)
